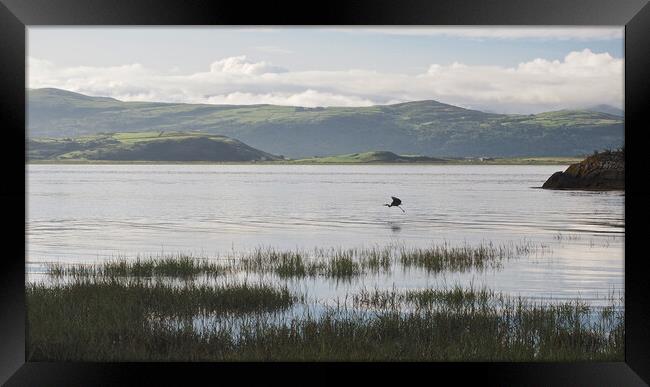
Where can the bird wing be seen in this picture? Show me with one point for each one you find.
(396, 200)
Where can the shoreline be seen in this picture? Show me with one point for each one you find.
(504, 161)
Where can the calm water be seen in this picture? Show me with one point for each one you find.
(88, 213)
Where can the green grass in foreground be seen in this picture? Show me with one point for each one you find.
(86, 321)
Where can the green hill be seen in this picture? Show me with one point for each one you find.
(606, 109)
(421, 127)
(145, 146)
(371, 157)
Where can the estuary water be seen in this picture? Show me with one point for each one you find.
(90, 213)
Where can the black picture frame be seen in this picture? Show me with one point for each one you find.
(16, 15)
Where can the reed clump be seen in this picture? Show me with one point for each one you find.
(457, 258)
(288, 264)
(455, 297)
(183, 267)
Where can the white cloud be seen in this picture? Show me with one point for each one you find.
(581, 79)
(242, 65)
(309, 98)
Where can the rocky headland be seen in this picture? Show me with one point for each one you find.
(601, 171)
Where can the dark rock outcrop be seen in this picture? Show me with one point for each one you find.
(601, 171)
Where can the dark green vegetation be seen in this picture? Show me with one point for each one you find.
(112, 320)
(420, 128)
(190, 309)
(329, 263)
(440, 258)
(371, 157)
(518, 160)
(338, 264)
(425, 298)
(607, 109)
(601, 171)
(183, 147)
(145, 146)
(167, 299)
(176, 267)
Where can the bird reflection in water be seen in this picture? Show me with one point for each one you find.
(394, 227)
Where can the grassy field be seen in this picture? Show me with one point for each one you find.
(180, 308)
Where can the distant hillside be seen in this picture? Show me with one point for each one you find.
(423, 127)
(145, 146)
(606, 109)
(372, 157)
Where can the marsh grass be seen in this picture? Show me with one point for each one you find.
(120, 311)
(441, 258)
(419, 299)
(343, 265)
(183, 267)
(285, 264)
(348, 263)
(117, 322)
(519, 333)
(168, 299)
(107, 319)
(463, 258)
(377, 259)
(335, 263)
(339, 264)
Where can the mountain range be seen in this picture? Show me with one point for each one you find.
(428, 128)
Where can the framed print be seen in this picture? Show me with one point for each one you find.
(375, 188)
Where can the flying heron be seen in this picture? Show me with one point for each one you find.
(395, 203)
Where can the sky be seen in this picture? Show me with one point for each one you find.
(497, 69)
